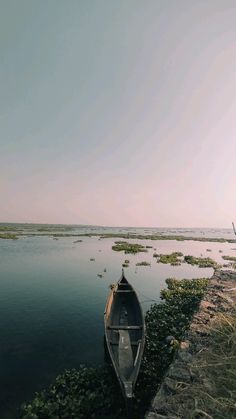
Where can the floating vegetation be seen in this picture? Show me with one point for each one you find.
(67, 231)
(230, 258)
(78, 241)
(126, 263)
(148, 247)
(10, 229)
(201, 262)
(172, 258)
(144, 263)
(208, 250)
(8, 236)
(128, 247)
(159, 237)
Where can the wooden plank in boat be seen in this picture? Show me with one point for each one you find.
(121, 327)
(133, 343)
(124, 291)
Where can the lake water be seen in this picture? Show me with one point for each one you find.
(52, 301)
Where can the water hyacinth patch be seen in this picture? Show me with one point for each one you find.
(128, 247)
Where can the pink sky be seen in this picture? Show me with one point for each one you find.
(119, 113)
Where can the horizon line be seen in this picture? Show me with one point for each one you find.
(110, 226)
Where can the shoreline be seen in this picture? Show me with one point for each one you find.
(175, 399)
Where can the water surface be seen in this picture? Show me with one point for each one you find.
(52, 303)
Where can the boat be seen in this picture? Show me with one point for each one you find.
(124, 334)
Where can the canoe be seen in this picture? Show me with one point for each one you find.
(124, 334)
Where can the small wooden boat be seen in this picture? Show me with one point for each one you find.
(125, 334)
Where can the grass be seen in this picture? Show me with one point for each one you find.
(213, 394)
(122, 246)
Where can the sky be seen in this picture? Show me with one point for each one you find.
(119, 113)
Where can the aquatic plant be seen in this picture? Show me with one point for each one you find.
(10, 228)
(230, 258)
(159, 237)
(172, 258)
(83, 393)
(171, 318)
(128, 247)
(8, 236)
(144, 263)
(201, 262)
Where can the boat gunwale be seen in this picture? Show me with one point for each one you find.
(136, 367)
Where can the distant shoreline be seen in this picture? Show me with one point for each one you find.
(7, 232)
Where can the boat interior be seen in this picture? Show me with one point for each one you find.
(124, 329)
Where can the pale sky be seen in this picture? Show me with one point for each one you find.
(118, 112)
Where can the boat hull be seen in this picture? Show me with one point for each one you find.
(125, 334)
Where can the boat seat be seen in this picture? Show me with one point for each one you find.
(133, 343)
(124, 291)
(125, 354)
(121, 327)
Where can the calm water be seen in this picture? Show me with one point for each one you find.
(52, 302)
